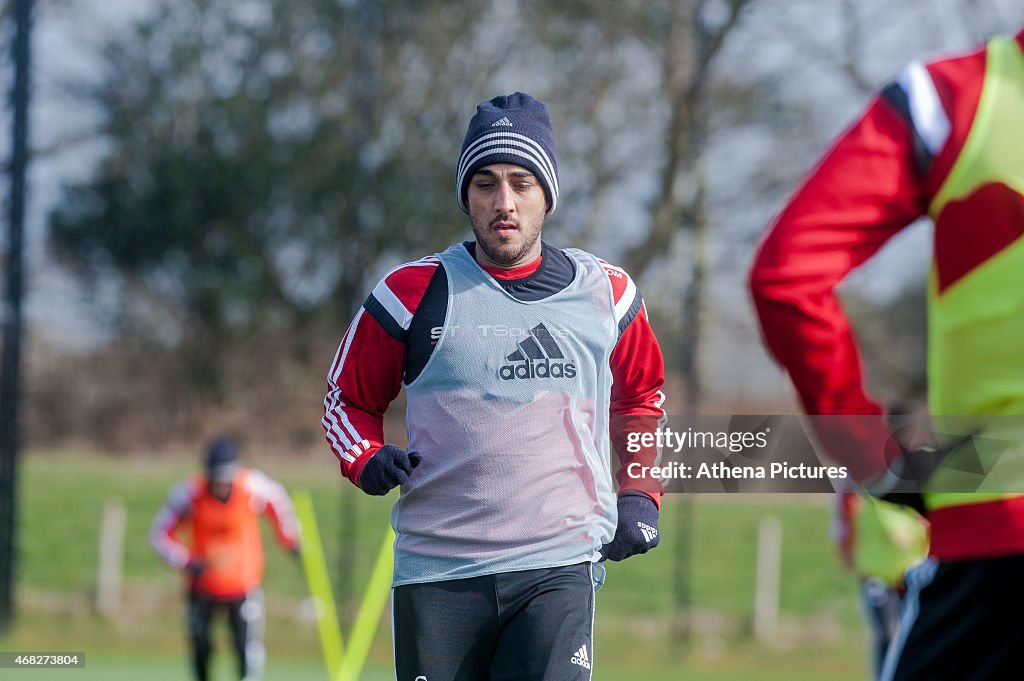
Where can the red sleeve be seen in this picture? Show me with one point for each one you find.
(366, 374)
(862, 193)
(867, 188)
(638, 373)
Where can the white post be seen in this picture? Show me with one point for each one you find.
(769, 568)
(111, 558)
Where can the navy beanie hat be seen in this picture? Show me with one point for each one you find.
(510, 129)
(221, 456)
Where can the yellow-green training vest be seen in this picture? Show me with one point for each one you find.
(976, 323)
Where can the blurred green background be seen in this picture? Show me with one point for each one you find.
(818, 637)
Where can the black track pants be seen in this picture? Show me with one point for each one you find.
(534, 625)
(961, 621)
(245, 615)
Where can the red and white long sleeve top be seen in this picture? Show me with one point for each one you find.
(393, 333)
(879, 176)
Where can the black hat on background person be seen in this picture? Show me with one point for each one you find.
(515, 129)
(221, 460)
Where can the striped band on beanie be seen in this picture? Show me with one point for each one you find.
(513, 129)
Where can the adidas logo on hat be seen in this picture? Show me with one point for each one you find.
(525, 138)
(536, 353)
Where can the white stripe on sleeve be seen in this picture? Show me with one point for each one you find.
(343, 437)
(392, 304)
(626, 301)
(926, 112)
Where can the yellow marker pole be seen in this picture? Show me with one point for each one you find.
(368, 619)
(319, 584)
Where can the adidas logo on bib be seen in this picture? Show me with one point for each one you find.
(538, 356)
(581, 658)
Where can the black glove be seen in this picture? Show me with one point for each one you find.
(905, 478)
(637, 531)
(195, 567)
(907, 474)
(388, 468)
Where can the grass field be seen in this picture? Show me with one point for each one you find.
(708, 544)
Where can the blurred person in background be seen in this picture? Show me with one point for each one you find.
(222, 558)
(946, 140)
(518, 360)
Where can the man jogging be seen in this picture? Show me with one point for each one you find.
(944, 140)
(223, 560)
(518, 359)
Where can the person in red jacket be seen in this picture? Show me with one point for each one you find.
(945, 139)
(223, 555)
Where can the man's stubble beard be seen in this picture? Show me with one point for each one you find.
(496, 257)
